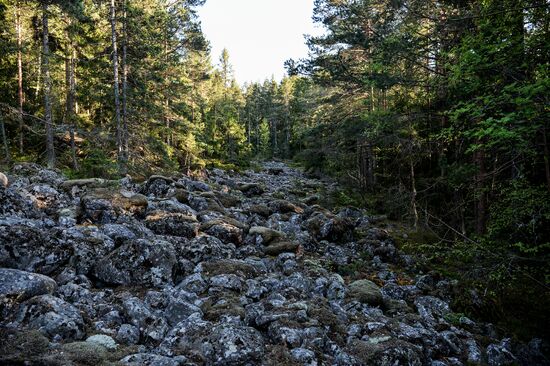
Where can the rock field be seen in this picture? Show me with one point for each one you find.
(233, 269)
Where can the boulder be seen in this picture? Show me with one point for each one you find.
(278, 247)
(151, 359)
(284, 206)
(19, 286)
(138, 262)
(103, 340)
(3, 180)
(175, 224)
(226, 229)
(251, 189)
(53, 317)
(431, 308)
(385, 351)
(205, 248)
(265, 235)
(365, 291)
(235, 345)
(105, 205)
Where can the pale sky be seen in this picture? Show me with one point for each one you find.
(260, 35)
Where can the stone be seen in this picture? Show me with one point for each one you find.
(16, 285)
(279, 247)
(251, 189)
(365, 291)
(140, 261)
(225, 229)
(205, 248)
(284, 206)
(265, 235)
(304, 356)
(151, 359)
(431, 308)
(3, 180)
(103, 340)
(501, 354)
(53, 317)
(128, 334)
(235, 345)
(175, 224)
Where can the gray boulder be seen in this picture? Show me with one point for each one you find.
(20, 285)
(53, 317)
(141, 261)
(365, 291)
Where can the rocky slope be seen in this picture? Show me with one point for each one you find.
(228, 270)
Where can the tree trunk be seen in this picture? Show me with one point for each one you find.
(20, 96)
(120, 149)
(70, 70)
(413, 195)
(481, 210)
(4, 140)
(50, 151)
(125, 85)
(546, 158)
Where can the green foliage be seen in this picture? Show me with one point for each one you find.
(521, 218)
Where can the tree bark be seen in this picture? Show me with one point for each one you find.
(481, 210)
(546, 158)
(20, 95)
(413, 195)
(125, 84)
(4, 139)
(120, 149)
(70, 70)
(50, 150)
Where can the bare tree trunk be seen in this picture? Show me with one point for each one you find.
(20, 96)
(413, 195)
(125, 84)
(120, 150)
(546, 158)
(50, 150)
(4, 139)
(70, 70)
(481, 210)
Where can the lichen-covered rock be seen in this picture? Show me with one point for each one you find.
(103, 206)
(176, 224)
(128, 334)
(235, 345)
(365, 291)
(226, 229)
(431, 308)
(284, 206)
(204, 248)
(103, 340)
(151, 359)
(53, 317)
(384, 351)
(265, 235)
(138, 262)
(19, 286)
(278, 247)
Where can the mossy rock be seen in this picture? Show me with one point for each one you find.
(279, 247)
(230, 266)
(18, 346)
(365, 291)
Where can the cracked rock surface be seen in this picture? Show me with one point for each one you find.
(232, 269)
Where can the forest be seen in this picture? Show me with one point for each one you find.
(435, 114)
